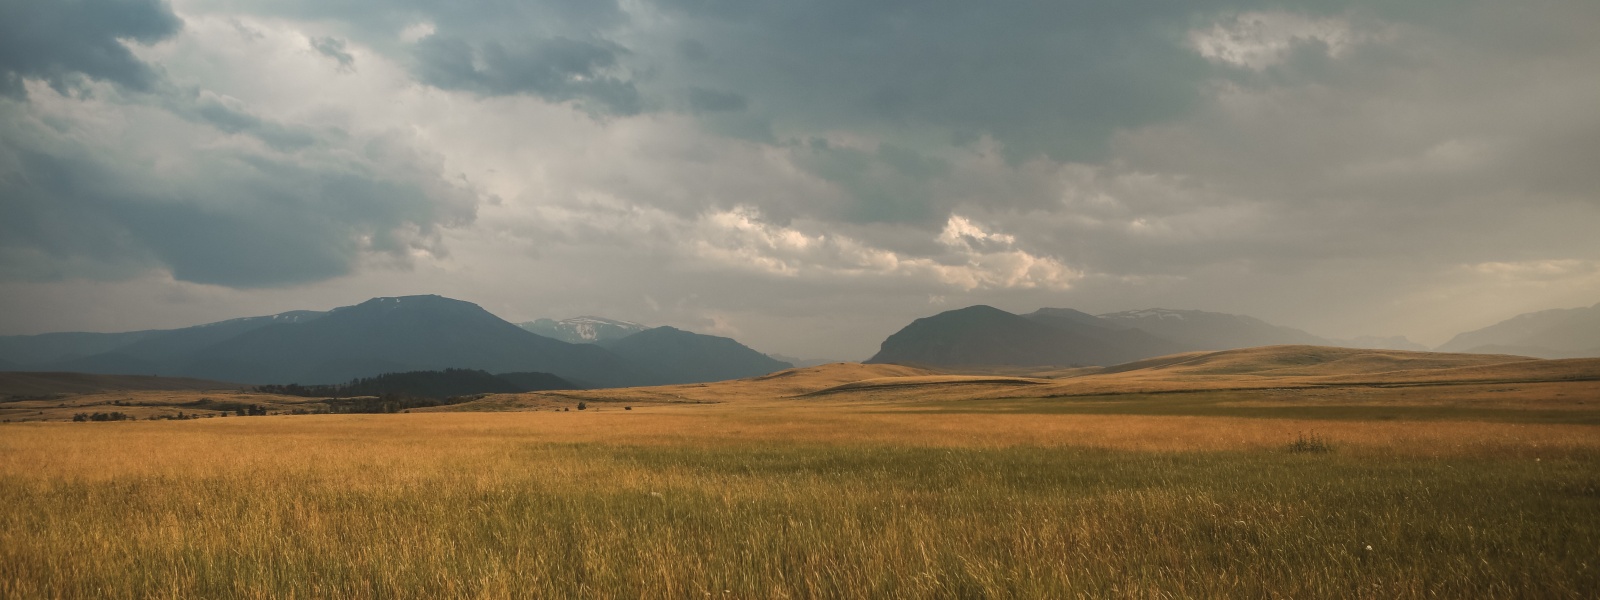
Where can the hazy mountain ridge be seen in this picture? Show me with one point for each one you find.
(1202, 330)
(385, 335)
(1373, 342)
(677, 356)
(802, 362)
(984, 335)
(411, 333)
(118, 352)
(30, 351)
(1555, 333)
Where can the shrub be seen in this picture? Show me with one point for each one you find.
(1309, 444)
(583, 405)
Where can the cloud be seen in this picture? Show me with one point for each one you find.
(1042, 78)
(1257, 40)
(702, 100)
(974, 259)
(1324, 165)
(556, 69)
(1537, 270)
(334, 48)
(62, 42)
(210, 210)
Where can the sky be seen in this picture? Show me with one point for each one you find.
(804, 176)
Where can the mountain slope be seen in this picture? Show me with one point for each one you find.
(675, 356)
(1200, 330)
(1118, 343)
(42, 351)
(412, 333)
(1558, 333)
(984, 335)
(583, 330)
(156, 353)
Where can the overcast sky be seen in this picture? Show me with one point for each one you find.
(805, 176)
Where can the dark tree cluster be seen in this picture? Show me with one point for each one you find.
(389, 403)
(437, 385)
(101, 416)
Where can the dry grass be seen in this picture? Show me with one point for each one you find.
(914, 486)
(806, 501)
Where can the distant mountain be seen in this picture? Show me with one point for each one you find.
(1372, 342)
(1200, 330)
(411, 333)
(984, 335)
(34, 351)
(677, 356)
(1117, 342)
(392, 335)
(803, 362)
(583, 330)
(129, 353)
(1558, 333)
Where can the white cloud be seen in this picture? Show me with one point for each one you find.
(976, 259)
(1537, 270)
(1257, 40)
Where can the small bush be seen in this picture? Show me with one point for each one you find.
(583, 405)
(1312, 443)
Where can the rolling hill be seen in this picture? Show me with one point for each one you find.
(15, 384)
(1275, 373)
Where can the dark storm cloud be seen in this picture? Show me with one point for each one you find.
(1044, 78)
(238, 218)
(208, 108)
(553, 49)
(59, 41)
(333, 48)
(702, 100)
(556, 69)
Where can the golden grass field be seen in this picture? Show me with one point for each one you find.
(894, 482)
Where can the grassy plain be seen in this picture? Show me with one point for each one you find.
(763, 488)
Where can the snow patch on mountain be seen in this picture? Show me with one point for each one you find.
(585, 329)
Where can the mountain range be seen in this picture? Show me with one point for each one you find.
(382, 335)
(988, 336)
(1558, 333)
(432, 333)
